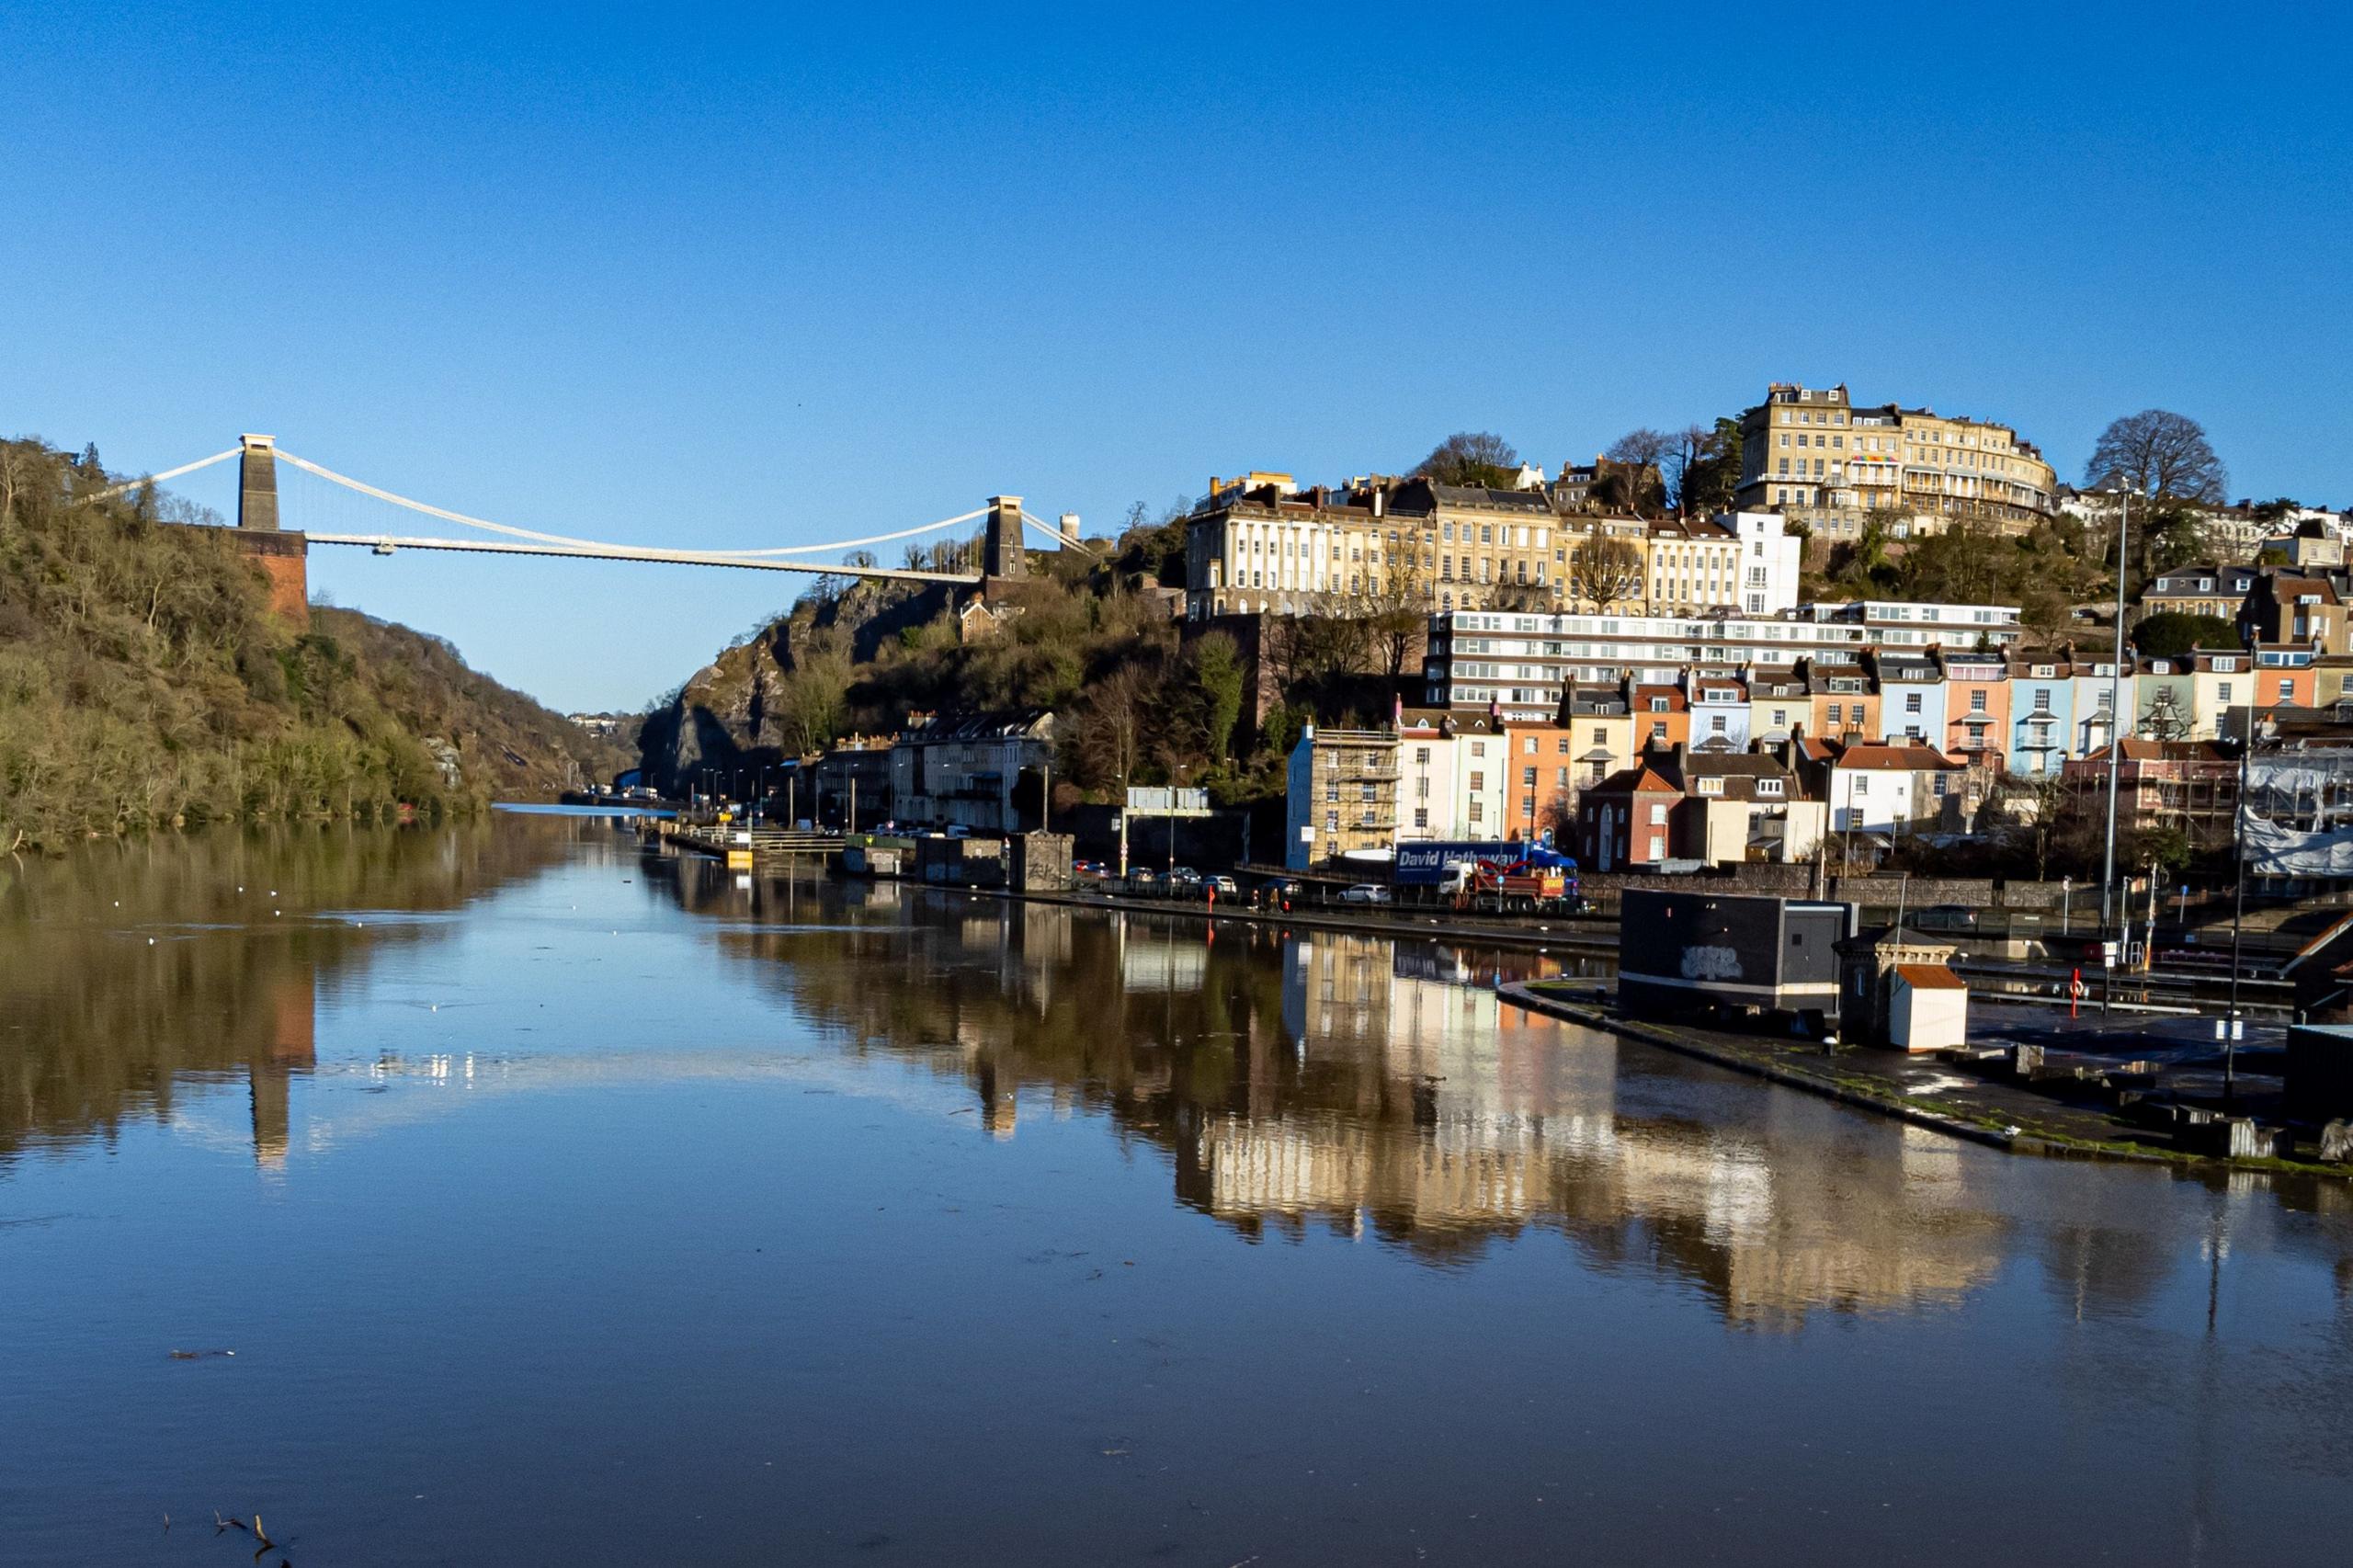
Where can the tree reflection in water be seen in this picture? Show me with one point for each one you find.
(131, 970)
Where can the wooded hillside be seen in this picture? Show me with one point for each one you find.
(144, 683)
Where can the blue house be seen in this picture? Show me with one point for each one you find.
(2043, 713)
(1911, 698)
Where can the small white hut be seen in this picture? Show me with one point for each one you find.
(1927, 1008)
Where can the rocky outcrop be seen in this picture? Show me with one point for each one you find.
(729, 715)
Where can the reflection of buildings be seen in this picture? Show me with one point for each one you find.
(1498, 1120)
(1347, 1081)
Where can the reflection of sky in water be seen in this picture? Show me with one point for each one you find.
(525, 1173)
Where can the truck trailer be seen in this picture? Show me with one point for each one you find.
(1687, 951)
(1492, 875)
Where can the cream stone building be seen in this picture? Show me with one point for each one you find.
(1259, 545)
(1809, 450)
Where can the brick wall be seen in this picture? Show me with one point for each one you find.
(1797, 881)
(284, 559)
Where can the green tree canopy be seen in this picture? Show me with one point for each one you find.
(2171, 633)
(1472, 457)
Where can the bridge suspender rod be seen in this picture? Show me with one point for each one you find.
(167, 473)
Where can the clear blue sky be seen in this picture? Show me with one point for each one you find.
(678, 277)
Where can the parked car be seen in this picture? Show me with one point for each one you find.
(1944, 918)
(1365, 892)
(1225, 887)
(1088, 870)
(1142, 880)
(1184, 876)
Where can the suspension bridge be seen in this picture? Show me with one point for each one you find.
(1001, 546)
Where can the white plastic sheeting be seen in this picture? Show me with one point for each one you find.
(2300, 814)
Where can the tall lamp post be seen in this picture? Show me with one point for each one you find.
(2238, 914)
(2115, 751)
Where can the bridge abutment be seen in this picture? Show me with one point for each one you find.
(283, 556)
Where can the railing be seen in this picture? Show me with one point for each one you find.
(720, 837)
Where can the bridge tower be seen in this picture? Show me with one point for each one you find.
(258, 483)
(283, 556)
(1002, 555)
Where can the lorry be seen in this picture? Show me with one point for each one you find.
(1730, 954)
(1492, 889)
(1475, 874)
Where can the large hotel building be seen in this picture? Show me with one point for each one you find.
(1807, 450)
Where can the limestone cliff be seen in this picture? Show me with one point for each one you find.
(740, 710)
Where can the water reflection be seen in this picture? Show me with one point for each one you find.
(1290, 1081)
(131, 971)
(1379, 1088)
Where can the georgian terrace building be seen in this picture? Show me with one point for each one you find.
(1811, 451)
(1260, 545)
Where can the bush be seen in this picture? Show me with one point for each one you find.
(2171, 634)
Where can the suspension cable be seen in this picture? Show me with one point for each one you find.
(112, 490)
(446, 515)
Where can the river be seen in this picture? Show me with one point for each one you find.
(565, 1204)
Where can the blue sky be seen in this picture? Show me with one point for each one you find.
(700, 277)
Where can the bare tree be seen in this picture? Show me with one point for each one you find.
(1687, 450)
(1471, 457)
(1397, 606)
(1630, 468)
(2159, 454)
(1605, 570)
(1115, 722)
(1330, 637)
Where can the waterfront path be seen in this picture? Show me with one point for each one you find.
(2054, 1116)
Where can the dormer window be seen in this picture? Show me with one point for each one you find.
(1769, 786)
(1709, 785)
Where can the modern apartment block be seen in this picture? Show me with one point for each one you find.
(1520, 662)
(1811, 450)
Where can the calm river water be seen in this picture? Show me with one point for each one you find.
(561, 1204)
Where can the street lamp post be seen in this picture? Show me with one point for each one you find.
(2115, 748)
(2239, 913)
